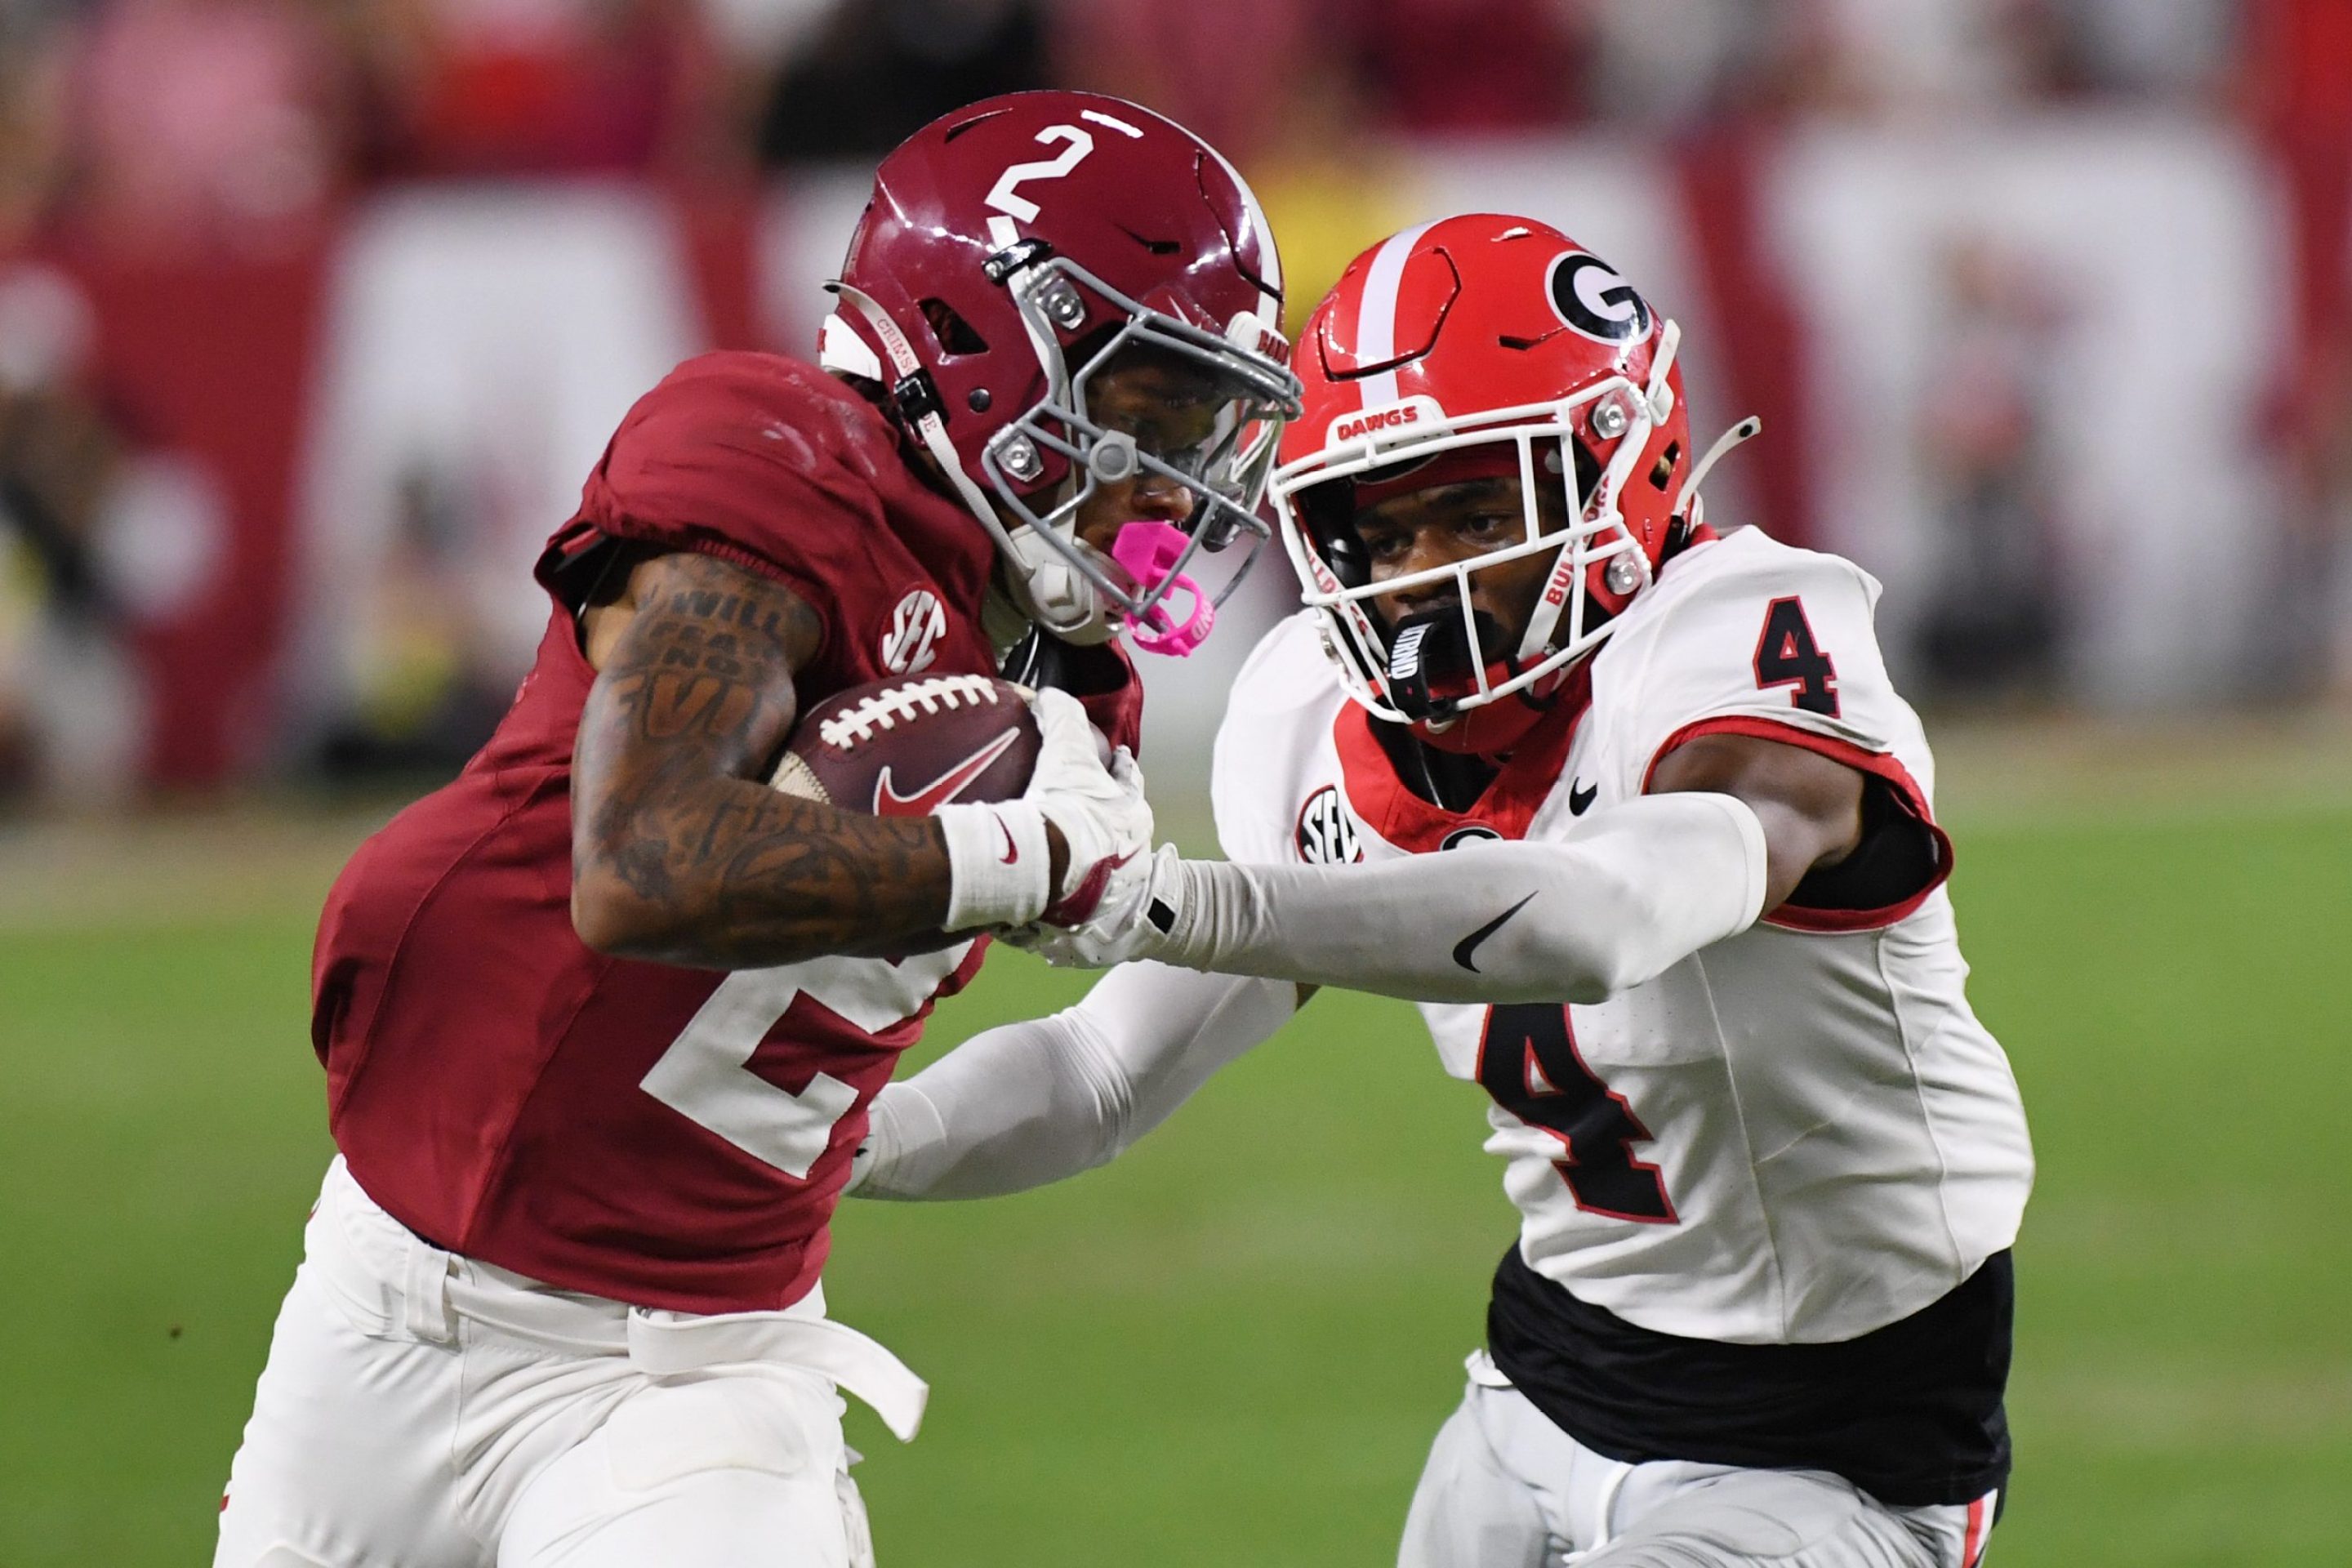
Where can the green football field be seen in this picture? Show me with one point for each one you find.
(1232, 1347)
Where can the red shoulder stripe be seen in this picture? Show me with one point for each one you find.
(1877, 765)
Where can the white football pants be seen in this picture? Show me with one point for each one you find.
(1506, 1488)
(423, 1410)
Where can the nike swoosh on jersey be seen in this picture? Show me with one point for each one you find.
(1469, 944)
(888, 801)
(1580, 795)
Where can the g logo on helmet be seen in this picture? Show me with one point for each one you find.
(1593, 298)
(916, 626)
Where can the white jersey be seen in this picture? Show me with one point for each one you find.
(1797, 1135)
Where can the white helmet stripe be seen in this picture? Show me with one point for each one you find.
(1121, 126)
(930, 427)
(1376, 313)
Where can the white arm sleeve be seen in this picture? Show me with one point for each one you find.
(1634, 889)
(1033, 1102)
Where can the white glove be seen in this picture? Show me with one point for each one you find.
(1126, 923)
(997, 853)
(1101, 811)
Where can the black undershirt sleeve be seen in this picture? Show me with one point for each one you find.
(1897, 857)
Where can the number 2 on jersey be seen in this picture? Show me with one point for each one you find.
(705, 1075)
(1527, 1062)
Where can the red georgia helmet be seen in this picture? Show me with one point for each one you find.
(1473, 346)
(1005, 235)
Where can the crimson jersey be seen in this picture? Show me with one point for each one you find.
(674, 1137)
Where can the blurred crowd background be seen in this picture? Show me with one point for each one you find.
(314, 313)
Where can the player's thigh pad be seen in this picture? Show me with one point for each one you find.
(1753, 1518)
(345, 1461)
(1475, 1509)
(739, 1467)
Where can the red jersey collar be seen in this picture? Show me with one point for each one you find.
(1384, 804)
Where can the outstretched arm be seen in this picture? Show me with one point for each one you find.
(1809, 807)
(1733, 825)
(1033, 1102)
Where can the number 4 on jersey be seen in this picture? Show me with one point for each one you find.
(1786, 654)
(1527, 1061)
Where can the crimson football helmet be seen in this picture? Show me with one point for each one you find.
(1474, 347)
(1010, 252)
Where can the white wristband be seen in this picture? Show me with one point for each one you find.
(999, 864)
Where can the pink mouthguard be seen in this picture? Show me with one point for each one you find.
(1145, 550)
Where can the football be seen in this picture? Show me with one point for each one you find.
(910, 744)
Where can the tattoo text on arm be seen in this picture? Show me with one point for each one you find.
(681, 852)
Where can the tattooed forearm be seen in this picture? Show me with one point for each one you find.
(681, 852)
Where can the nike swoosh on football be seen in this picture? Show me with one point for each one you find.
(888, 801)
(1580, 795)
(1469, 944)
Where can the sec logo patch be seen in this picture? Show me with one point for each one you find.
(1327, 834)
(916, 627)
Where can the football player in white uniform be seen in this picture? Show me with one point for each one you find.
(1695, 944)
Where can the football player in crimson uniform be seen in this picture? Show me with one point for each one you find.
(1632, 811)
(601, 1019)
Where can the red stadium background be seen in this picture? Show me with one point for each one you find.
(341, 369)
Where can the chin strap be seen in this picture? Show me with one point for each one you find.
(929, 426)
(1052, 593)
(1006, 622)
(1041, 584)
(1565, 589)
(1745, 430)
